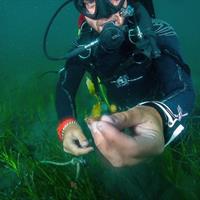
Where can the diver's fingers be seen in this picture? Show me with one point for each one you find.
(132, 117)
(111, 142)
(81, 138)
(96, 134)
(112, 134)
(76, 150)
(106, 134)
(124, 119)
(73, 134)
(103, 145)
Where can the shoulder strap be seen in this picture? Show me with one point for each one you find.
(148, 4)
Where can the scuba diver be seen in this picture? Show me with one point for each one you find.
(137, 58)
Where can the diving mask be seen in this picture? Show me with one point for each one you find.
(98, 9)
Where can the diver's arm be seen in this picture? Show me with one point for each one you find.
(69, 131)
(67, 86)
(176, 85)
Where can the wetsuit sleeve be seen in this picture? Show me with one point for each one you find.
(67, 86)
(176, 87)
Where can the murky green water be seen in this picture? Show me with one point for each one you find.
(28, 118)
(23, 24)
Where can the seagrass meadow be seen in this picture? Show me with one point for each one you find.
(33, 165)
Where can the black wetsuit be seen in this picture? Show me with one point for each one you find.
(163, 83)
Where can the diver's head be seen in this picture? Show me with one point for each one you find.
(99, 12)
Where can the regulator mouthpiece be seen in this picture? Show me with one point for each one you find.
(111, 37)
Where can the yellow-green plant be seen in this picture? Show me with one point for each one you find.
(103, 105)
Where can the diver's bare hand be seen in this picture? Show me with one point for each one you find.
(121, 149)
(74, 141)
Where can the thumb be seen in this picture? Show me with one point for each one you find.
(126, 119)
